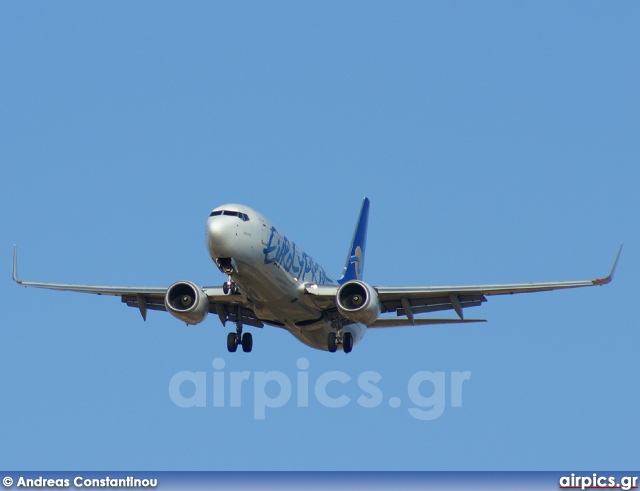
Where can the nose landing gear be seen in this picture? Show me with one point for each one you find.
(230, 287)
(228, 266)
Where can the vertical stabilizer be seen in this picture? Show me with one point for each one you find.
(355, 258)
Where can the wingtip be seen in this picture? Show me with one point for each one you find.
(609, 278)
(14, 271)
(615, 264)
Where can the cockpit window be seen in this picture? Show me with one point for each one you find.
(242, 216)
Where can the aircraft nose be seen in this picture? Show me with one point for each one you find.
(218, 237)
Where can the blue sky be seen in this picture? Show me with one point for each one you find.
(497, 141)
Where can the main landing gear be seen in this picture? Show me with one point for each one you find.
(238, 338)
(246, 341)
(345, 338)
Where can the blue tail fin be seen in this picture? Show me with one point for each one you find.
(355, 259)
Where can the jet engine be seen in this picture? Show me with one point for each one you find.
(187, 301)
(358, 302)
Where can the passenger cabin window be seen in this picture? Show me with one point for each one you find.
(242, 216)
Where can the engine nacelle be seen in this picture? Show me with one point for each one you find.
(187, 301)
(358, 302)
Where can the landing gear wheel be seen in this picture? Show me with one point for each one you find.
(247, 342)
(230, 287)
(332, 344)
(232, 342)
(347, 342)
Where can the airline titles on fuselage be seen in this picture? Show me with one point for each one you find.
(284, 252)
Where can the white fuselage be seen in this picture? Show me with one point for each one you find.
(273, 272)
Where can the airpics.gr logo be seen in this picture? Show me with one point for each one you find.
(426, 393)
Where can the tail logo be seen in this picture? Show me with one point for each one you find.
(356, 260)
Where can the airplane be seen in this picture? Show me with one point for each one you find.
(272, 281)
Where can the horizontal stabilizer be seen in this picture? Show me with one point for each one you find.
(420, 322)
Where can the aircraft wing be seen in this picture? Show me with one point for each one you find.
(152, 298)
(408, 301)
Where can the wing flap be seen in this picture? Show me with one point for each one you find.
(381, 323)
(420, 304)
